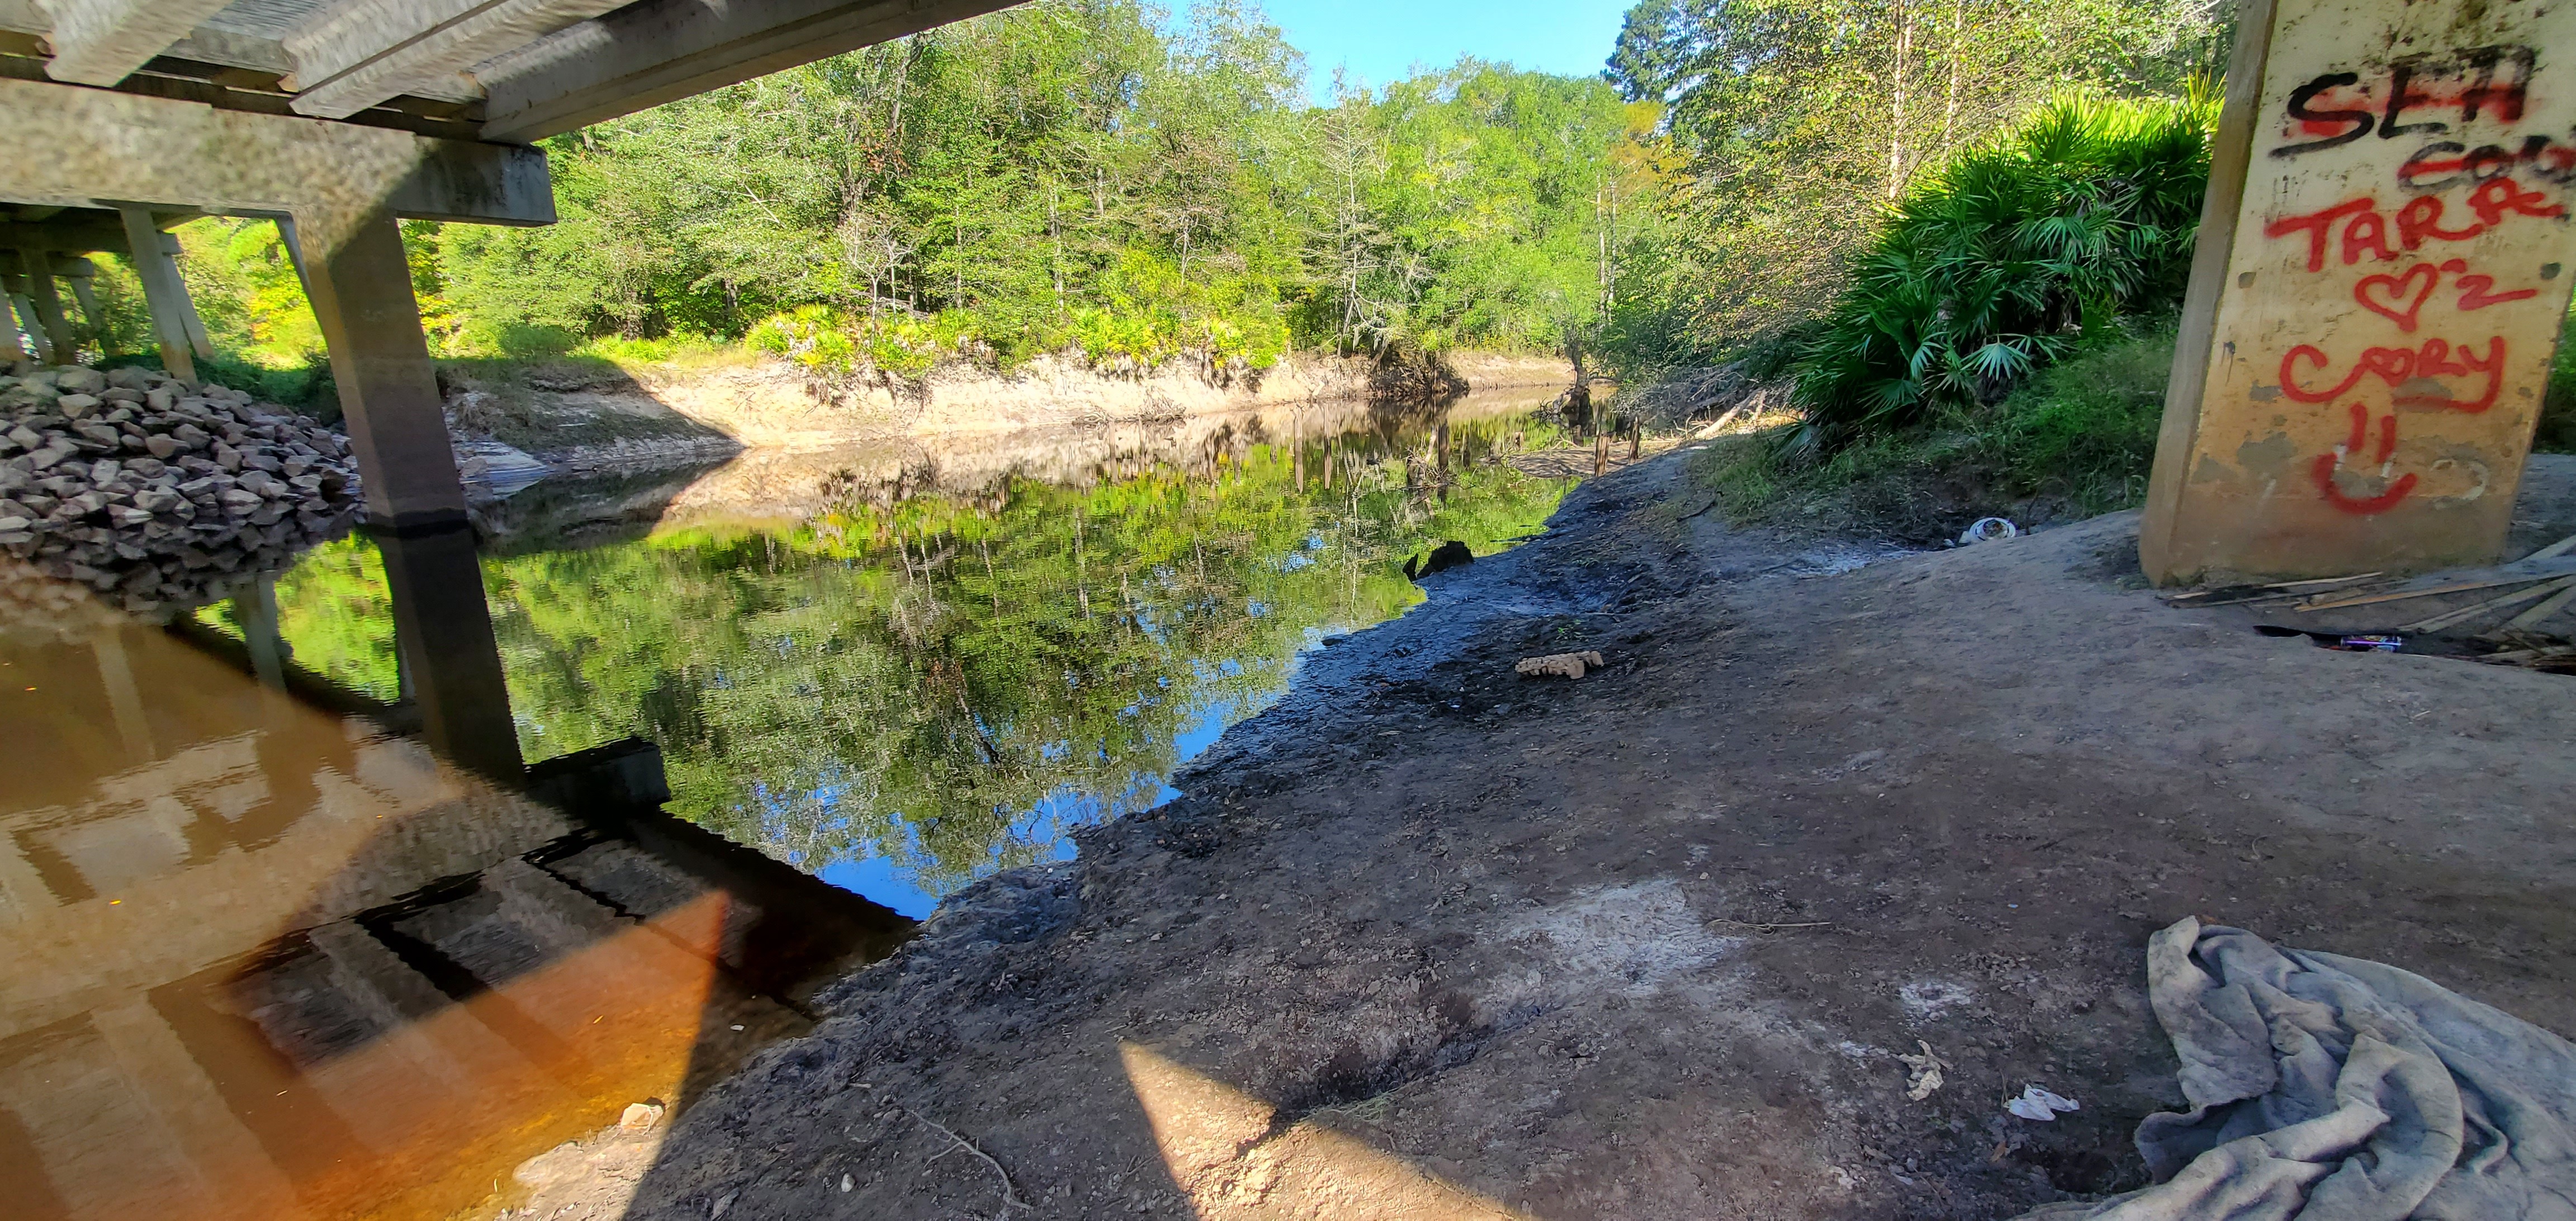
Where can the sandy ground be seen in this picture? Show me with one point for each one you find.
(1430, 940)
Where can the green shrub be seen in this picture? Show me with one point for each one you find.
(1995, 265)
(2558, 410)
(2076, 439)
(2085, 430)
(811, 335)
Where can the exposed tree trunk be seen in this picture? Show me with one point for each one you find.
(1950, 106)
(1896, 128)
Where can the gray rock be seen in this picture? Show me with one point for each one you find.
(76, 405)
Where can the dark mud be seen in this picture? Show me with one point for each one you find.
(1428, 939)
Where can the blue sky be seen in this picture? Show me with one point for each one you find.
(1381, 40)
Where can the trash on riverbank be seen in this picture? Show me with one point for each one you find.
(1989, 529)
(1559, 665)
(1924, 1072)
(2042, 1105)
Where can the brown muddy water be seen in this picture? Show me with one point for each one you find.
(350, 890)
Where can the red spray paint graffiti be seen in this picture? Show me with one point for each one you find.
(2403, 368)
(2327, 466)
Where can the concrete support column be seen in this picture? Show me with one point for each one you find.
(48, 303)
(124, 698)
(163, 294)
(2382, 273)
(443, 635)
(256, 612)
(225, 1157)
(287, 237)
(81, 274)
(188, 320)
(16, 288)
(10, 347)
(360, 284)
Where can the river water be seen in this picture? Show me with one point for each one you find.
(346, 893)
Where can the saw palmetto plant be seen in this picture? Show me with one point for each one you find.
(1998, 263)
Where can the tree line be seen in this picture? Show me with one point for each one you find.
(1085, 176)
(1102, 179)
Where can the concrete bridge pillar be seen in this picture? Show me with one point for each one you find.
(360, 284)
(443, 634)
(165, 295)
(2383, 269)
(38, 265)
(11, 348)
(41, 344)
(82, 275)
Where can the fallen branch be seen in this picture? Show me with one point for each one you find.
(1772, 928)
(1010, 1194)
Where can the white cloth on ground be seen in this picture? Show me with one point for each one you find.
(2327, 1088)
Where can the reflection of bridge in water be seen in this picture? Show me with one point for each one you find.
(269, 958)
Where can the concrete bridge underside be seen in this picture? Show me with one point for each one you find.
(337, 119)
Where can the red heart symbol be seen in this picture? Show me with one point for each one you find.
(2397, 290)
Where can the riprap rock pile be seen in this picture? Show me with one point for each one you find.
(152, 491)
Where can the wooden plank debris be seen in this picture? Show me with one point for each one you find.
(2238, 595)
(2458, 581)
(2533, 618)
(2466, 613)
(2553, 550)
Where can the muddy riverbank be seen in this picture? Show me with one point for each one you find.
(1427, 939)
(587, 417)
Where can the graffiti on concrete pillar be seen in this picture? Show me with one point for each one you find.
(2407, 252)
(2368, 336)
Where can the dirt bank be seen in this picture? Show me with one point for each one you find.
(1430, 940)
(590, 417)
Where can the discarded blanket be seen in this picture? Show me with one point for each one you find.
(2332, 1089)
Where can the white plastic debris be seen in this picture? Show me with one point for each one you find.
(2039, 1104)
(1923, 1076)
(1989, 529)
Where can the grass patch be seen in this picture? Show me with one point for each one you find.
(2074, 440)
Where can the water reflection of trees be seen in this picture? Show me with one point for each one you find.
(945, 680)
